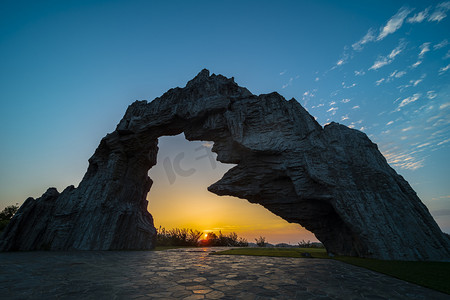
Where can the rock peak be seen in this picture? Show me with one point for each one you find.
(201, 76)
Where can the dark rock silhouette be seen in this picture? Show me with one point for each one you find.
(332, 180)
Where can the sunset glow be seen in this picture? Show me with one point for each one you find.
(186, 203)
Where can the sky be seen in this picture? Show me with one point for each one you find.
(69, 69)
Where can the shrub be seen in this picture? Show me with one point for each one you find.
(224, 240)
(261, 241)
(177, 237)
(308, 244)
(304, 244)
(190, 237)
(6, 215)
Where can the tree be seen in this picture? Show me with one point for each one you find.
(261, 241)
(7, 214)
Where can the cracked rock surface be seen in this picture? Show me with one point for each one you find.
(332, 180)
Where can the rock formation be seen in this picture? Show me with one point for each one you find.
(331, 180)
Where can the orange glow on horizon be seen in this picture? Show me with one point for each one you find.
(186, 202)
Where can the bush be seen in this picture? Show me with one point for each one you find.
(304, 244)
(177, 237)
(308, 244)
(190, 237)
(261, 241)
(223, 240)
(7, 214)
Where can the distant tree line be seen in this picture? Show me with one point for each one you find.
(192, 237)
(6, 215)
(225, 240)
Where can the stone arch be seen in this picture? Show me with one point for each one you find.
(331, 180)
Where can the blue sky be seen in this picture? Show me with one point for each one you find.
(69, 69)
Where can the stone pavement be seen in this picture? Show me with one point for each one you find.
(191, 274)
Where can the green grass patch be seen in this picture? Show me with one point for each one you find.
(162, 248)
(433, 275)
(276, 252)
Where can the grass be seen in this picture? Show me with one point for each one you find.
(430, 274)
(276, 252)
(434, 275)
(162, 248)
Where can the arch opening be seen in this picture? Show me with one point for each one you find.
(179, 197)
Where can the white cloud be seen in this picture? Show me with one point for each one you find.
(400, 74)
(369, 37)
(419, 17)
(343, 118)
(395, 74)
(423, 145)
(413, 82)
(440, 12)
(394, 23)
(441, 143)
(447, 55)
(416, 64)
(345, 100)
(333, 110)
(380, 62)
(397, 50)
(416, 82)
(424, 48)
(403, 160)
(317, 79)
(350, 86)
(409, 100)
(288, 84)
(282, 73)
(444, 69)
(407, 128)
(431, 95)
(355, 107)
(440, 45)
(378, 82)
(389, 123)
(332, 103)
(360, 73)
(444, 106)
(383, 60)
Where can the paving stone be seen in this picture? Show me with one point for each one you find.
(195, 297)
(205, 291)
(184, 274)
(214, 295)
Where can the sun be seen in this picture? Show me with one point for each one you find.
(206, 235)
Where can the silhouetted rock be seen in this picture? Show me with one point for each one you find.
(332, 180)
